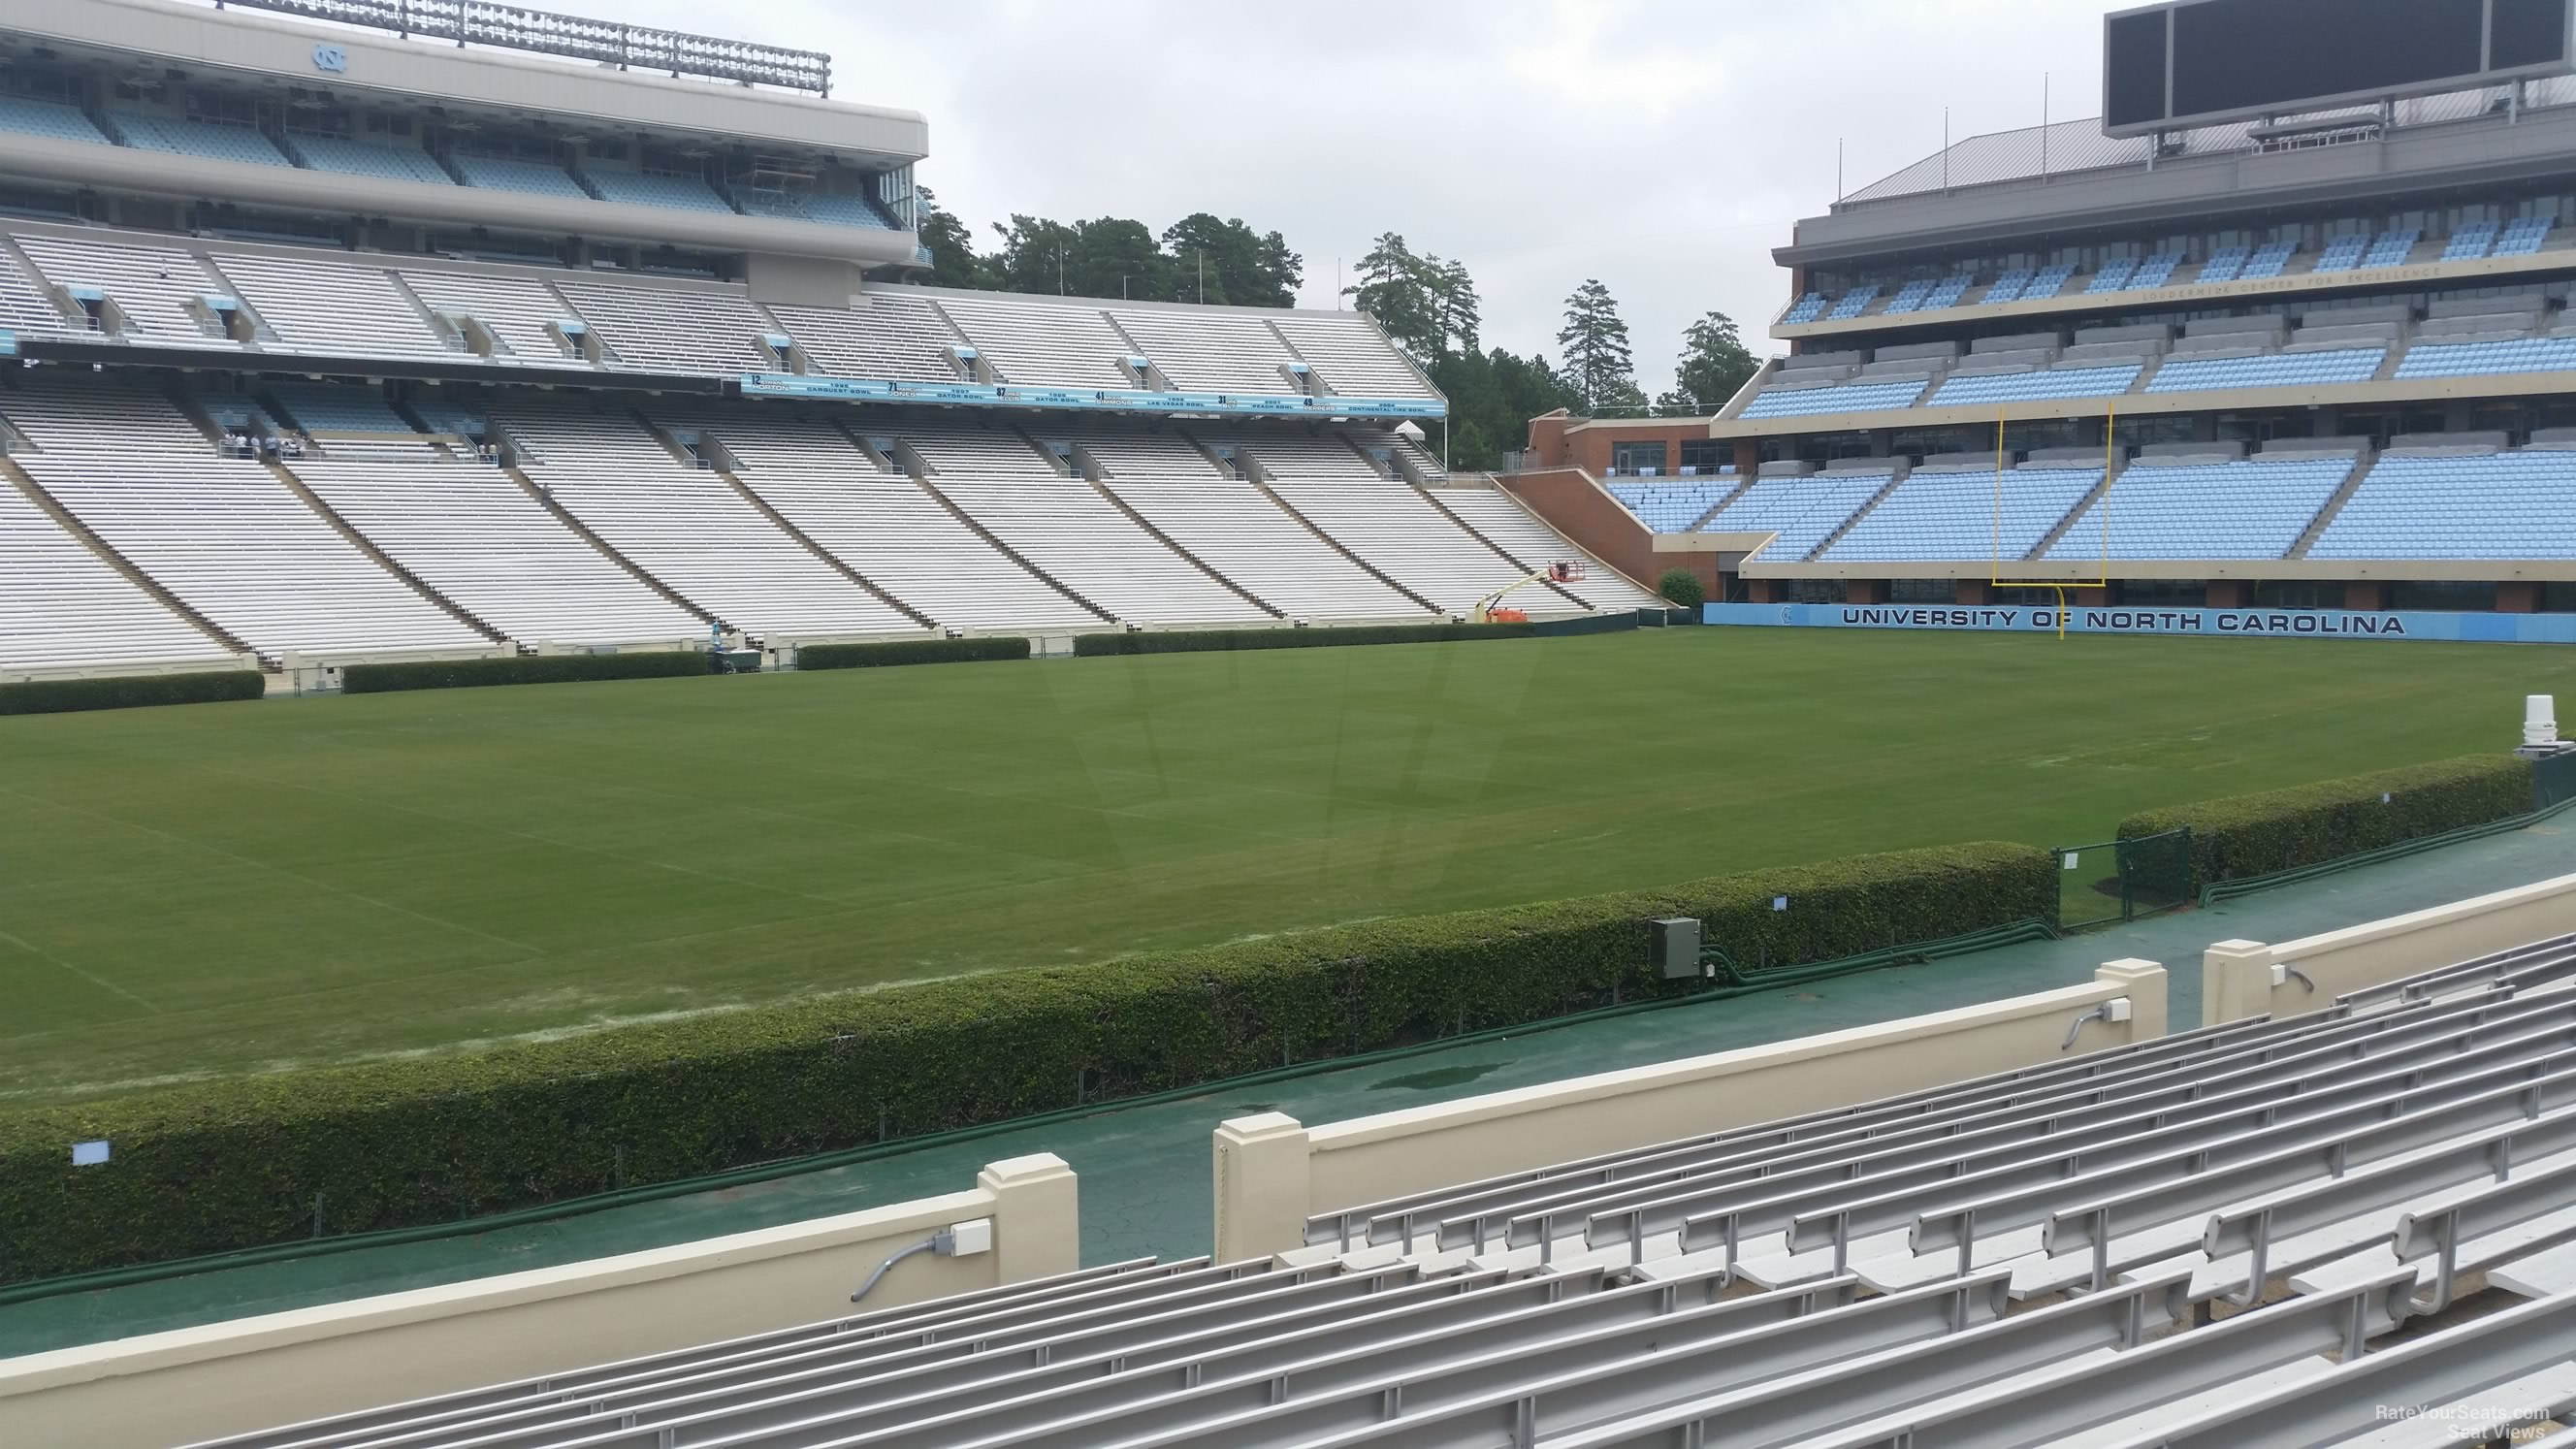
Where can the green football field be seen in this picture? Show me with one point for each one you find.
(219, 888)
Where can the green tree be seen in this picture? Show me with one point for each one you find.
(1396, 286)
(952, 247)
(1226, 261)
(1595, 340)
(1682, 588)
(1714, 362)
(1492, 396)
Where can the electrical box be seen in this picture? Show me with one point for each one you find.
(1676, 946)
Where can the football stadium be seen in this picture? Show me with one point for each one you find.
(628, 819)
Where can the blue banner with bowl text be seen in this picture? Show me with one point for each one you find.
(2107, 619)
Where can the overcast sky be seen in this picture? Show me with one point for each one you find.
(1663, 146)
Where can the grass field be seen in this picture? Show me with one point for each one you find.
(226, 887)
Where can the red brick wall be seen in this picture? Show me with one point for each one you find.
(1575, 506)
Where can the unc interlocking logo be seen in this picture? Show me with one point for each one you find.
(331, 58)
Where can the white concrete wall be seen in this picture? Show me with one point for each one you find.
(2236, 976)
(281, 1368)
(1273, 1173)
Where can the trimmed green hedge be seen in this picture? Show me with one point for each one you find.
(2250, 835)
(1682, 587)
(908, 651)
(237, 1163)
(128, 691)
(1187, 641)
(521, 669)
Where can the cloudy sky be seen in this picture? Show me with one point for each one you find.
(1663, 146)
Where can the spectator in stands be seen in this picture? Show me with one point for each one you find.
(293, 447)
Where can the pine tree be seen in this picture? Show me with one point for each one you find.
(1714, 363)
(1597, 361)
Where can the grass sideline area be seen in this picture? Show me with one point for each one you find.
(191, 892)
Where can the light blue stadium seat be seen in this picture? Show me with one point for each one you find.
(2007, 288)
(2470, 243)
(2511, 506)
(2030, 386)
(1806, 309)
(1950, 517)
(1673, 507)
(48, 118)
(2219, 510)
(2472, 359)
(2390, 248)
(2343, 253)
(2046, 282)
(1948, 291)
(1803, 511)
(388, 161)
(638, 188)
(1853, 303)
(1859, 397)
(321, 408)
(454, 418)
(2280, 369)
(232, 410)
(2114, 275)
(833, 210)
(1908, 298)
(2155, 271)
(2223, 265)
(196, 138)
(498, 174)
(2267, 261)
(2522, 238)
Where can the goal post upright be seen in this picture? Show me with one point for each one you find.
(1995, 566)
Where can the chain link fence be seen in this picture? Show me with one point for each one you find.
(2121, 880)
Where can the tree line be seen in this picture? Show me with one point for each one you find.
(1427, 304)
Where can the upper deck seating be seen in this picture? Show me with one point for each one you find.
(1352, 358)
(2523, 236)
(23, 308)
(2279, 369)
(650, 188)
(1908, 298)
(509, 174)
(348, 311)
(2230, 510)
(161, 292)
(222, 534)
(688, 528)
(2469, 359)
(1852, 303)
(1964, 514)
(1808, 307)
(384, 160)
(894, 337)
(1211, 351)
(472, 533)
(1775, 402)
(61, 604)
(1228, 524)
(518, 312)
(2055, 382)
(823, 208)
(1672, 507)
(886, 526)
(1803, 509)
(328, 408)
(2267, 260)
(2509, 505)
(1069, 529)
(679, 329)
(2470, 243)
(54, 120)
(1043, 346)
(207, 140)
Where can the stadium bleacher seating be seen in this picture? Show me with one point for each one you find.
(472, 533)
(1218, 352)
(1908, 298)
(2267, 260)
(1949, 290)
(2470, 243)
(2464, 359)
(2283, 369)
(1226, 522)
(28, 116)
(160, 291)
(679, 329)
(2343, 253)
(652, 188)
(886, 527)
(2497, 505)
(23, 308)
(1849, 398)
(897, 337)
(2213, 510)
(688, 528)
(1803, 509)
(223, 535)
(2223, 265)
(1852, 303)
(1807, 308)
(1673, 507)
(1070, 529)
(1386, 523)
(2154, 271)
(516, 311)
(208, 140)
(450, 419)
(1351, 357)
(348, 311)
(501, 173)
(2056, 382)
(825, 208)
(62, 605)
(325, 408)
(1040, 345)
(1503, 521)
(1964, 514)
(2522, 237)
(387, 161)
